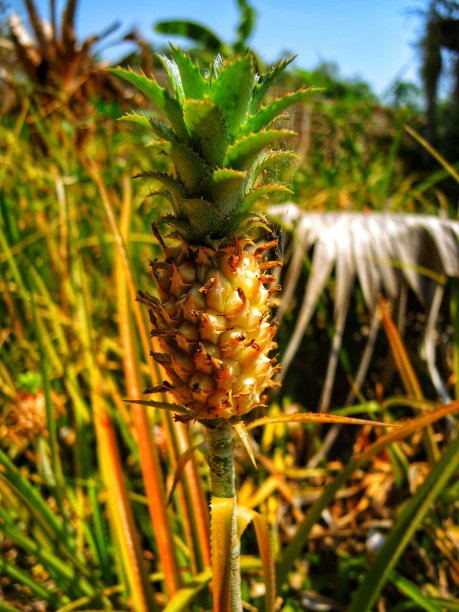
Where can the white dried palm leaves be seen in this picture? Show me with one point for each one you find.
(386, 253)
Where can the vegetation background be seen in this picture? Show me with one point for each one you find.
(103, 503)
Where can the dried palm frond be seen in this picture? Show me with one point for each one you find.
(62, 69)
(386, 253)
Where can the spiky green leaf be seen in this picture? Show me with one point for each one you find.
(161, 131)
(232, 91)
(268, 113)
(201, 216)
(182, 228)
(172, 186)
(241, 224)
(207, 130)
(191, 169)
(244, 151)
(193, 83)
(226, 188)
(174, 75)
(159, 96)
(141, 119)
(266, 80)
(214, 70)
(272, 193)
(274, 167)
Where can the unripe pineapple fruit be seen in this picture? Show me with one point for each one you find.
(213, 323)
(212, 315)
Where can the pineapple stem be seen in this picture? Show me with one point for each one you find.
(225, 570)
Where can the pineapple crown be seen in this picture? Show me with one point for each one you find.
(221, 144)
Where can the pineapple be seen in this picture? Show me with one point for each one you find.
(212, 316)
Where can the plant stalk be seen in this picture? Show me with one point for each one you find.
(225, 540)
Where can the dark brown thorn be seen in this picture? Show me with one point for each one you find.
(253, 344)
(146, 298)
(162, 332)
(242, 295)
(164, 387)
(159, 238)
(161, 358)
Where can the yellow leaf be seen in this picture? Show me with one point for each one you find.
(241, 430)
(222, 513)
(314, 417)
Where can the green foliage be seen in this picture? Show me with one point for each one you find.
(207, 130)
(215, 126)
(232, 92)
(326, 76)
(207, 40)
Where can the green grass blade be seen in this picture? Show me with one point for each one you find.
(409, 589)
(4, 607)
(30, 496)
(455, 322)
(441, 160)
(56, 565)
(187, 594)
(22, 577)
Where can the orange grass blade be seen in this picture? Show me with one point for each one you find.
(120, 510)
(197, 499)
(407, 374)
(110, 463)
(313, 417)
(151, 471)
(406, 371)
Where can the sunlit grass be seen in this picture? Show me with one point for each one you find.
(84, 476)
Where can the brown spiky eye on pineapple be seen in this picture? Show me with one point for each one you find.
(213, 316)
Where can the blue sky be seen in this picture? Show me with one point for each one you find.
(371, 39)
